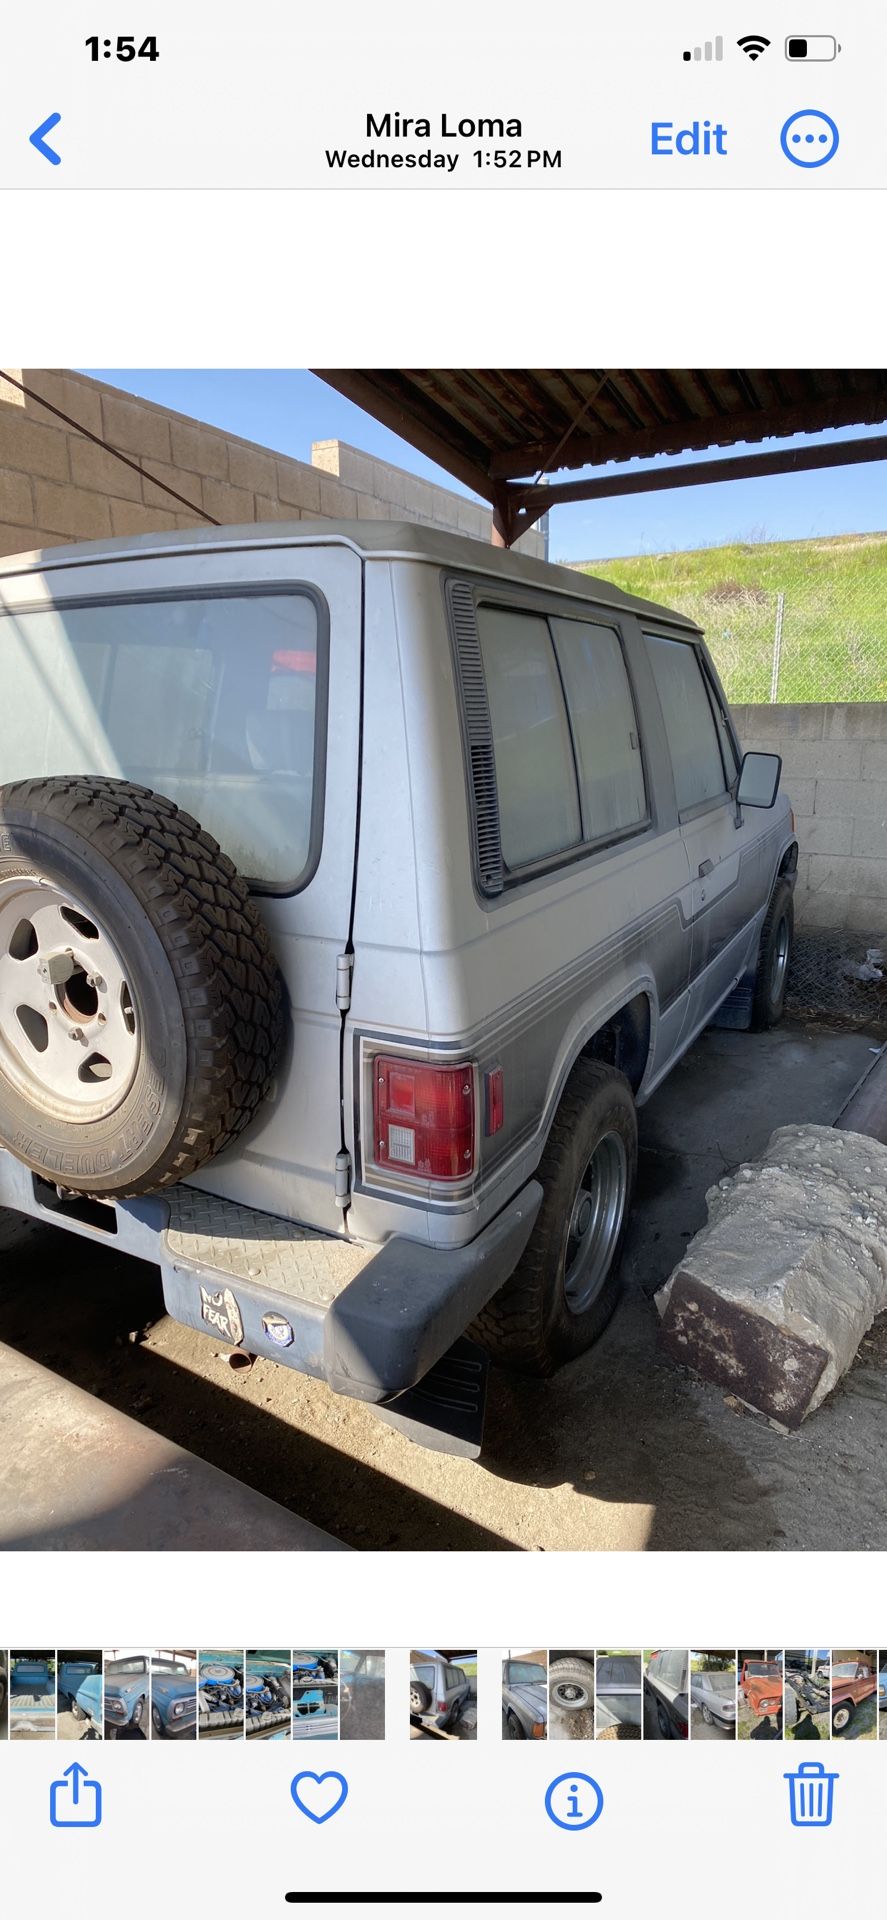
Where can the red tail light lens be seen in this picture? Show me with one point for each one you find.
(423, 1118)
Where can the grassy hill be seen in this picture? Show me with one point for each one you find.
(834, 633)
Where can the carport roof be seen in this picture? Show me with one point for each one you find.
(501, 432)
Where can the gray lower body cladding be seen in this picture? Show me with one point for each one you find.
(370, 1321)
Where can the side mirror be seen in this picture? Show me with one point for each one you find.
(758, 779)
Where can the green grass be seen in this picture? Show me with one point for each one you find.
(834, 637)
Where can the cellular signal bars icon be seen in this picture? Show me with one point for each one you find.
(710, 50)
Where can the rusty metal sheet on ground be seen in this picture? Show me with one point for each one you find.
(742, 1352)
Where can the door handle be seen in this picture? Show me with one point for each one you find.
(706, 867)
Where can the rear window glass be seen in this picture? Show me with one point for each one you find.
(211, 701)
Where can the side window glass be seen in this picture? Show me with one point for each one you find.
(605, 728)
(728, 751)
(689, 722)
(535, 770)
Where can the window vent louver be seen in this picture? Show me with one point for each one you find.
(478, 737)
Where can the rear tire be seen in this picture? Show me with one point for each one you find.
(774, 959)
(553, 1308)
(141, 1009)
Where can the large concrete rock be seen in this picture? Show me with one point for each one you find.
(773, 1296)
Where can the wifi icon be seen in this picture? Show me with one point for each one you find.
(754, 44)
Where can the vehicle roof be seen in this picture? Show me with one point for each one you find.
(372, 539)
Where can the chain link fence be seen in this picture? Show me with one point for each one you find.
(789, 622)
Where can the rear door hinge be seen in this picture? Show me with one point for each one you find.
(344, 971)
(343, 1178)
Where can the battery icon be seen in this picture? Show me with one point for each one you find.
(811, 46)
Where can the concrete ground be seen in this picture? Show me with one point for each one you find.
(699, 1730)
(68, 1727)
(465, 1728)
(620, 1451)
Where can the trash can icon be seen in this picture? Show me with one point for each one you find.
(811, 1794)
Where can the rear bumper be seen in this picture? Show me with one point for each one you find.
(371, 1321)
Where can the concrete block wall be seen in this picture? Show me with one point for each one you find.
(57, 486)
(835, 774)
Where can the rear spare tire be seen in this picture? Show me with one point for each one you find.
(141, 1009)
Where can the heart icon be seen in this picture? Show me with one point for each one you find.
(319, 1795)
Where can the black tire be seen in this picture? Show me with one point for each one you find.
(77, 1712)
(774, 959)
(111, 1732)
(201, 995)
(137, 1716)
(571, 1685)
(513, 1728)
(18, 1230)
(663, 1722)
(420, 1697)
(156, 1723)
(530, 1324)
(456, 1714)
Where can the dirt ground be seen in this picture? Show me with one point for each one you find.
(864, 1725)
(753, 1726)
(620, 1451)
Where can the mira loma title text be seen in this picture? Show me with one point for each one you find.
(397, 126)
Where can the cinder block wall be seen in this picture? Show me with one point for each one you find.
(835, 774)
(57, 486)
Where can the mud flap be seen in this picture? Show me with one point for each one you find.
(445, 1410)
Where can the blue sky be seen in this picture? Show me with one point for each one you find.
(288, 409)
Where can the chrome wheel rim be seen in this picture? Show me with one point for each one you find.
(69, 1038)
(779, 967)
(595, 1223)
(569, 1693)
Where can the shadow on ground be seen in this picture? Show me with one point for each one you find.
(620, 1451)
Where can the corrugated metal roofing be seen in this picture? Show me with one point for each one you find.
(490, 425)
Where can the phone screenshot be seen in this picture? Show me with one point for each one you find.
(443, 960)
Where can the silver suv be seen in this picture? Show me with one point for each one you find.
(357, 884)
(438, 1690)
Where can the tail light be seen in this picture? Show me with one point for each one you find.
(424, 1118)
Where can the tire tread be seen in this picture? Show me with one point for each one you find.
(229, 985)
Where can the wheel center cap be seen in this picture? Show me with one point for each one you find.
(583, 1215)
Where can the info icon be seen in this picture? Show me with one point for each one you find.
(574, 1801)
